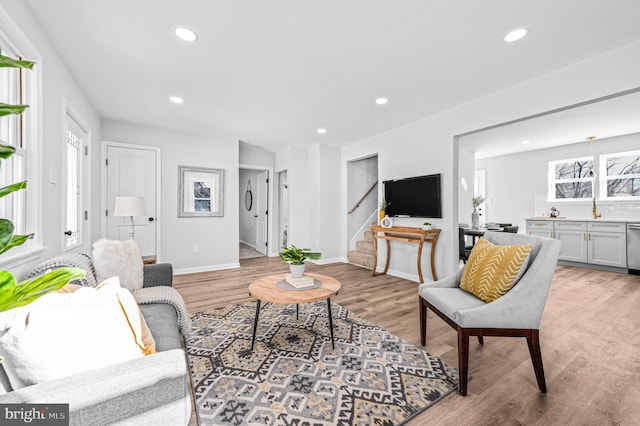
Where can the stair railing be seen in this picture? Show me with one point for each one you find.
(363, 197)
(359, 235)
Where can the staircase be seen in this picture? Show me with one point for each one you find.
(363, 254)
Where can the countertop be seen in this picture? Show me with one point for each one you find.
(585, 219)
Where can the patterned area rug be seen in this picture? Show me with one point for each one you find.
(294, 377)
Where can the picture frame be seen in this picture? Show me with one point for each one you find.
(200, 192)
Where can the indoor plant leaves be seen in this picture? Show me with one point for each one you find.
(14, 295)
(7, 62)
(6, 109)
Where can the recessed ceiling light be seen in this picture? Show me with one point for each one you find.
(176, 99)
(515, 35)
(322, 131)
(382, 101)
(186, 34)
(525, 142)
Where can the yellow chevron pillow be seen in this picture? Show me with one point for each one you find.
(492, 270)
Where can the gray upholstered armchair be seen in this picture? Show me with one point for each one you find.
(516, 314)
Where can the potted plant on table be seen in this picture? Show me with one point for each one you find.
(296, 256)
(383, 209)
(426, 226)
(475, 215)
(13, 294)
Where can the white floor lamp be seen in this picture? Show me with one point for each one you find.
(130, 206)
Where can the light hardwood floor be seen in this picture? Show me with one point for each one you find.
(590, 338)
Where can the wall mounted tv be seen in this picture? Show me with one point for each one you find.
(414, 197)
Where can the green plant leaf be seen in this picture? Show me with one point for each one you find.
(297, 256)
(6, 232)
(16, 240)
(6, 109)
(12, 188)
(14, 295)
(7, 62)
(6, 151)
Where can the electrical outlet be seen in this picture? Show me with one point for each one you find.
(196, 248)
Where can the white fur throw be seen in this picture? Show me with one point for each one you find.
(118, 258)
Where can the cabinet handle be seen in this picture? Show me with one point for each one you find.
(584, 236)
(589, 236)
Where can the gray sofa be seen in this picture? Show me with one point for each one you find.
(153, 390)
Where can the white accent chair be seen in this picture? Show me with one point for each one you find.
(516, 314)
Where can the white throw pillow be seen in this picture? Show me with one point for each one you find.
(118, 258)
(62, 334)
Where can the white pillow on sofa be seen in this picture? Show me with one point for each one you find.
(118, 258)
(62, 334)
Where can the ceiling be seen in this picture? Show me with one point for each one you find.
(271, 72)
(614, 116)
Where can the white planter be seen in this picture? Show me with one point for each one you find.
(297, 271)
(427, 227)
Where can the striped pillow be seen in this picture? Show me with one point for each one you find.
(493, 270)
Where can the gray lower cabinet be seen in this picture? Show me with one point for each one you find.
(540, 228)
(574, 240)
(597, 243)
(607, 244)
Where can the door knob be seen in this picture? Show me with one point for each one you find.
(151, 219)
(68, 233)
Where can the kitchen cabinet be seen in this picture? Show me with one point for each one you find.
(540, 228)
(574, 240)
(607, 244)
(597, 243)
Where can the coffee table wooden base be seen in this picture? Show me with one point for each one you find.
(265, 289)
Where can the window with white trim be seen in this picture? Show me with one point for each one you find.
(571, 179)
(13, 132)
(620, 175)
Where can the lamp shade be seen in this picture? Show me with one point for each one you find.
(130, 206)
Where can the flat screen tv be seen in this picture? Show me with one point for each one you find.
(414, 197)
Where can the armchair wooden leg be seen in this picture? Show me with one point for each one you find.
(463, 359)
(536, 358)
(423, 321)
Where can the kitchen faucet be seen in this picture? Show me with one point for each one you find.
(595, 211)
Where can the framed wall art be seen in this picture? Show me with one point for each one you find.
(201, 192)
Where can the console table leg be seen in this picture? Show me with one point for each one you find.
(255, 324)
(386, 265)
(333, 345)
(375, 255)
(420, 262)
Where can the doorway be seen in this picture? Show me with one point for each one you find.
(132, 170)
(254, 212)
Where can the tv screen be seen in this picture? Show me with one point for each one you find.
(415, 197)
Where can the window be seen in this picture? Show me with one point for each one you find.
(570, 180)
(620, 175)
(23, 132)
(13, 132)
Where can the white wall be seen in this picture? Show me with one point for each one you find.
(465, 184)
(517, 183)
(217, 237)
(314, 188)
(247, 219)
(428, 145)
(58, 85)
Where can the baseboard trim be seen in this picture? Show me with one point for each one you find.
(208, 268)
(403, 275)
(327, 261)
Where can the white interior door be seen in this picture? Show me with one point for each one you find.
(131, 171)
(262, 201)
